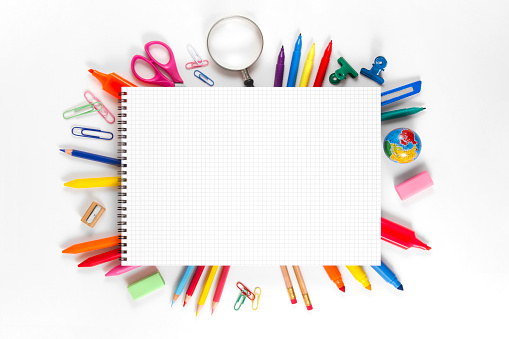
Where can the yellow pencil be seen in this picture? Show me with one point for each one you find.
(93, 182)
(359, 275)
(308, 66)
(206, 288)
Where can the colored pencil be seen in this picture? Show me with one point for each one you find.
(93, 245)
(288, 283)
(193, 284)
(101, 258)
(182, 283)
(220, 286)
(206, 289)
(303, 289)
(91, 156)
(93, 182)
(119, 270)
(322, 69)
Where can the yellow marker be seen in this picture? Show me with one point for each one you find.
(359, 275)
(206, 288)
(308, 66)
(93, 182)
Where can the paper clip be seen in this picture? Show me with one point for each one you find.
(401, 92)
(240, 300)
(194, 64)
(194, 54)
(87, 135)
(94, 101)
(204, 78)
(242, 287)
(77, 111)
(257, 299)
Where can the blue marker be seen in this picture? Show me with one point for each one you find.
(294, 66)
(388, 275)
(182, 283)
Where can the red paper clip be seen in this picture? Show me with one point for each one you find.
(250, 296)
(103, 111)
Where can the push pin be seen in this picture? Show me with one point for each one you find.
(342, 72)
(374, 72)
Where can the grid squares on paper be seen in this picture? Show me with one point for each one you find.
(252, 176)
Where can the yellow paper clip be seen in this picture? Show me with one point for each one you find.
(257, 298)
(240, 300)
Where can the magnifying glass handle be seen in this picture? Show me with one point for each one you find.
(248, 82)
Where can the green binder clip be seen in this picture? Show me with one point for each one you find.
(342, 72)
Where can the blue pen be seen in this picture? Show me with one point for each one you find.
(294, 66)
(388, 275)
(182, 283)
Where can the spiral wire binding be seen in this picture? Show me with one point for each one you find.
(122, 143)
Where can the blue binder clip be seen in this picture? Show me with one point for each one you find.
(374, 73)
(402, 92)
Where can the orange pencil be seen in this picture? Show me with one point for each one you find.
(335, 276)
(93, 245)
(288, 283)
(303, 288)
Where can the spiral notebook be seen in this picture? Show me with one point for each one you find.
(250, 176)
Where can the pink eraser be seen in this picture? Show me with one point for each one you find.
(309, 307)
(414, 185)
(294, 301)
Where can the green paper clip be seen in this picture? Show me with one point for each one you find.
(77, 111)
(342, 72)
(240, 299)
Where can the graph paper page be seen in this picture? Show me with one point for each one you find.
(251, 176)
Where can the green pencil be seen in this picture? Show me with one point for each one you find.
(400, 113)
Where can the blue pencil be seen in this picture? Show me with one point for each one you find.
(92, 156)
(294, 66)
(388, 275)
(182, 283)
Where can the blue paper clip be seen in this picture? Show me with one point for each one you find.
(204, 78)
(87, 135)
(401, 92)
(374, 73)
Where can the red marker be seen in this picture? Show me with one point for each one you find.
(101, 258)
(401, 236)
(194, 282)
(322, 69)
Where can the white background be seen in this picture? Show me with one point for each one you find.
(457, 48)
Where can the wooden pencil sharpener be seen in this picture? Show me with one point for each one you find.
(93, 214)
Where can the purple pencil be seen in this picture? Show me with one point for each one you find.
(280, 68)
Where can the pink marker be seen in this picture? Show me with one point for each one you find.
(118, 270)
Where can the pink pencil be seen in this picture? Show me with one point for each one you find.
(220, 287)
(118, 270)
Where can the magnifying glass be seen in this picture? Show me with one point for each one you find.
(235, 43)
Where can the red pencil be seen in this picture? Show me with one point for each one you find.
(320, 75)
(194, 282)
(101, 258)
(220, 287)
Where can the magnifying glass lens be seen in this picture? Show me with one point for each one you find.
(235, 43)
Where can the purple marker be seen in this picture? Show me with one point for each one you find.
(280, 68)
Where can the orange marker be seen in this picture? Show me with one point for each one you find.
(112, 83)
(93, 245)
(335, 276)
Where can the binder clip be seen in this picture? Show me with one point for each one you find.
(342, 72)
(374, 73)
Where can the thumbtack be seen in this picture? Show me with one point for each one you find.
(374, 73)
(342, 72)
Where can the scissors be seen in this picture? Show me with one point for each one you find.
(170, 68)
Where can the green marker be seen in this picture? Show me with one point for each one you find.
(400, 113)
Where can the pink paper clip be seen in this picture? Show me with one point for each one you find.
(104, 112)
(194, 64)
(242, 287)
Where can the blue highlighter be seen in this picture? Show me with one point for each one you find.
(294, 66)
